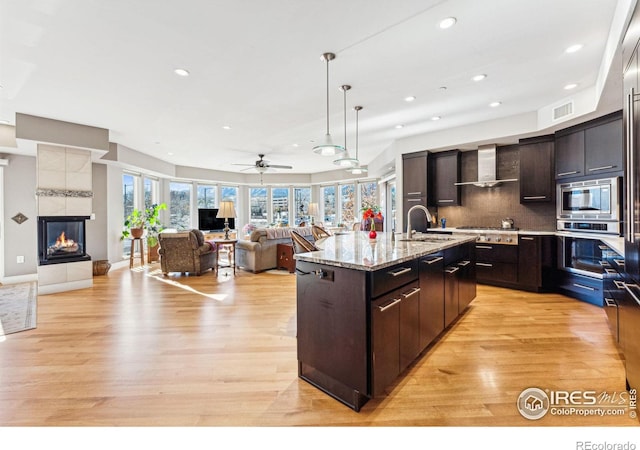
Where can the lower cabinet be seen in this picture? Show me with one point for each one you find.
(467, 277)
(497, 263)
(451, 284)
(395, 338)
(581, 287)
(431, 298)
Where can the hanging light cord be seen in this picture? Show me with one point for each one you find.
(327, 59)
(345, 116)
(357, 111)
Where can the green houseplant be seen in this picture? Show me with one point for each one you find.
(139, 222)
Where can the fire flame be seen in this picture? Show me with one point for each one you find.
(62, 241)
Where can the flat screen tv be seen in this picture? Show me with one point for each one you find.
(207, 220)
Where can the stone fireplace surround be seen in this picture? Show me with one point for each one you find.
(64, 189)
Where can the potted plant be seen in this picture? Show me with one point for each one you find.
(133, 225)
(139, 222)
(153, 227)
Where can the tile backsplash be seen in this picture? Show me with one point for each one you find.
(486, 207)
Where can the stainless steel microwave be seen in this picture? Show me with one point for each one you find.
(597, 200)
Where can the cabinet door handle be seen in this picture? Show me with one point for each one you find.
(611, 271)
(414, 193)
(601, 168)
(445, 201)
(582, 286)
(619, 284)
(524, 238)
(413, 199)
(464, 263)
(414, 291)
(484, 264)
(629, 150)
(433, 261)
(488, 247)
(535, 197)
(452, 269)
(619, 262)
(611, 302)
(399, 272)
(564, 174)
(627, 287)
(388, 305)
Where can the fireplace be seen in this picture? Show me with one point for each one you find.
(61, 239)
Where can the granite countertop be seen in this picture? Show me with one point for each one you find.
(354, 250)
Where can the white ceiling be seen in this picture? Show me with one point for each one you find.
(255, 66)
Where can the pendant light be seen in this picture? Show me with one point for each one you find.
(357, 169)
(326, 146)
(345, 161)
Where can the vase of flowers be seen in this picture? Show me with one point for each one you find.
(370, 214)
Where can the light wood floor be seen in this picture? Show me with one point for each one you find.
(138, 349)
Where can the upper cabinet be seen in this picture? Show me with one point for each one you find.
(590, 149)
(414, 187)
(414, 174)
(536, 170)
(444, 172)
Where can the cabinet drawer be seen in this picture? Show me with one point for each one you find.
(390, 278)
(497, 253)
(496, 271)
(581, 287)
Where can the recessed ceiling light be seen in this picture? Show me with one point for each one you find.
(295, 145)
(436, 118)
(4, 122)
(226, 127)
(495, 104)
(170, 153)
(399, 126)
(447, 23)
(570, 86)
(181, 72)
(409, 99)
(573, 48)
(442, 88)
(479, 77)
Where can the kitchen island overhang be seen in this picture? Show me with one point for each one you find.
(366, 309)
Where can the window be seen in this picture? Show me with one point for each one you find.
(180, 205)
(150, 192)
(130, 201)
(347, 204)
(258, 205)
(229, 193)
(301, 199)
(368, 191)
(280, 205)
(329, 201)
(206, 196)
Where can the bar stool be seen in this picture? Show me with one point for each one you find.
(133, 249)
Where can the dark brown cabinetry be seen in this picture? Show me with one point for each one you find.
(431, 298)
(590, 149)
(496, 263)
(536, 262)
(467, 276)
(414, 187)
(444, 172)
(385, 341)
(536, 170)
(603, 147)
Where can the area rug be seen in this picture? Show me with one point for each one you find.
(18, 304)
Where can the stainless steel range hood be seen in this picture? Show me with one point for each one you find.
(486, 169)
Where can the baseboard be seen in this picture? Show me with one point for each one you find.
(19, 278)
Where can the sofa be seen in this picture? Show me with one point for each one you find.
(186, 251)
(259, 252)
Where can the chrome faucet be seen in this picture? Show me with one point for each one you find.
(420, 207)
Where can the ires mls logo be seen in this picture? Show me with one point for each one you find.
(534, 403)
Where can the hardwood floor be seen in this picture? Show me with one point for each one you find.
(139, 349)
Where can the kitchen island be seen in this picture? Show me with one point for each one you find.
(367, 309)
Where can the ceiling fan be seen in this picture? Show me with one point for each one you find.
(262, 165)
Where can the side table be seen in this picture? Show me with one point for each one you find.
(285, 257)
(231, 245)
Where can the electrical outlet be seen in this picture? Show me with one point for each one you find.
(20, 259)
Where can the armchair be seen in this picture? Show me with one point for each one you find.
(185, 251)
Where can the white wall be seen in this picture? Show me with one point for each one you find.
(20, 197)
(97, 245)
